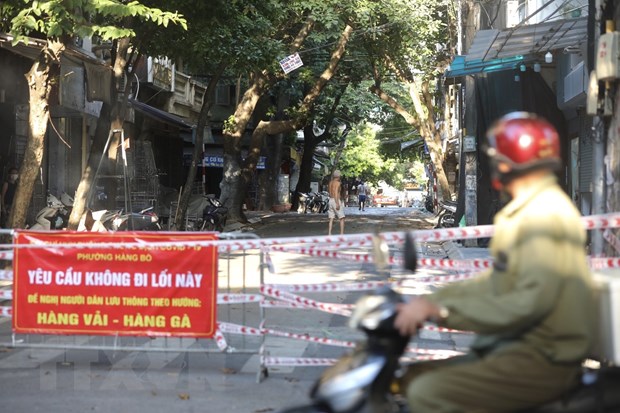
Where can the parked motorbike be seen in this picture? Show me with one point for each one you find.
(318, 202)
(214, 216)
(304, 199)
(55, 215)
(142, 220)
(428, 203)
(361, 380)
(105, 220)
(447, 215)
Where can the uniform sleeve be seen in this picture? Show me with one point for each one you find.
(511, 299)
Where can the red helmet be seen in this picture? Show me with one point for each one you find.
(524, 142)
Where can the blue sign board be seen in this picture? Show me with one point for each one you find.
(217, 161)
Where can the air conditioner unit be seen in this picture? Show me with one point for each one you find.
(608, 294)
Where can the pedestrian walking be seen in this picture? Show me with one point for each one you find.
(361, 195)
(8, 193)
(336, 205)
(533, 312)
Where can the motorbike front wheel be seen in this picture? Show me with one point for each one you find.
(446, 221)
(208, 225)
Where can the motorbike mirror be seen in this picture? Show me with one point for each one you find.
(411, 255)
(380, 252)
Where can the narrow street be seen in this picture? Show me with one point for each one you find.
(292, 224)
(108, 380)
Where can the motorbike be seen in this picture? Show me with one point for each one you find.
(428, 203)
(105, 220)
(304, 199)
(361, 381)
(141, 220)
(447, 215)
(318, 202)
(214, 216)
(55, 215)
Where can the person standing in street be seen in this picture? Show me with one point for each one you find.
(534, 311)
(336, 206)
(8, 193)
(361, 195)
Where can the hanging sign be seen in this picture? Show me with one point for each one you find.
(139, 290)
(291, 63)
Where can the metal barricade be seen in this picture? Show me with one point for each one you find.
(238, 282)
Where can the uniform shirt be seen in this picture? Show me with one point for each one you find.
(539, 292)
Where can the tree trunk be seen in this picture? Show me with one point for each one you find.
(425, 130)
(111, 118)
(40, 85)
(269, 178)
(203, 120)
(269, 183)
(307, 164)
(232, 195)
(424, 110)
(233, 191)
(242, 117)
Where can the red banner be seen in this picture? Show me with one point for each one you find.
(134, 290)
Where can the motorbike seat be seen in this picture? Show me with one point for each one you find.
(600, 395)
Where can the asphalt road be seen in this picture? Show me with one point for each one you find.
(292, 224)
(108, 380)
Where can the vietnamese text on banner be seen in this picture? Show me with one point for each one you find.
(139, 290)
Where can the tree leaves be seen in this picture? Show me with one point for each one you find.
(55, 19)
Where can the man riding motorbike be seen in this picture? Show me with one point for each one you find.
(534, 311)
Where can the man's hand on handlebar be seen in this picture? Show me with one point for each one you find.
(413, 314)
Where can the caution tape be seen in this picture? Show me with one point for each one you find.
(331, 287)
(306, 361)
(611, 220)
(6, 255)
(306, 337)
(314, 252)
(220, 340)
(433, 352)
(239, 329)
(601, 263)
(296, 361)
(238, 298)
(303, 301)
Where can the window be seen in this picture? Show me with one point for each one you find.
(222, 95)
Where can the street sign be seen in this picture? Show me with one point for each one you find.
(469, 144)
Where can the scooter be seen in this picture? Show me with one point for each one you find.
(318, 202)
(447, 214)
(304, 200)
(105, 220)
(55, 215)
(361, 380)
(213, 216)
(143, 220)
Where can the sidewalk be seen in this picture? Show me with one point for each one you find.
(456, 251)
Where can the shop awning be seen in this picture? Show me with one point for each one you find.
(493, 50)
(460, 66)
(161, 115)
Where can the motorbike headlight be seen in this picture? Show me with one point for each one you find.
(345, 391)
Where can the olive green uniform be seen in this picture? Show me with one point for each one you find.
(533, 313)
